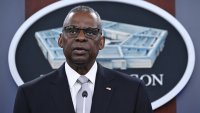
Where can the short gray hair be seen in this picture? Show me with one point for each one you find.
(88, 10)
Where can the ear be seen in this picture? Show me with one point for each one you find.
(101, 43)
(60, 41)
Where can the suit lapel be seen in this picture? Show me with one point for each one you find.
(102, 92)
(61, 92)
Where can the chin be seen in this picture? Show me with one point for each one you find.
(80, 64)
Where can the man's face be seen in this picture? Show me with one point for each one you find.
(80, 46)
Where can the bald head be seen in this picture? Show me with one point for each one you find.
(83, 9)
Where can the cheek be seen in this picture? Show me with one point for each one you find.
(99, 45)
(66, 46)
(94, 49)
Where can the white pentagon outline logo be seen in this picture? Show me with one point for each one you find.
(139, 3)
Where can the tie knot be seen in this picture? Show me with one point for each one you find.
(83, 79)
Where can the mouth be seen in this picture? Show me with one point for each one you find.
(79, 50)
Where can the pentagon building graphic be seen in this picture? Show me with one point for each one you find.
(126, 46)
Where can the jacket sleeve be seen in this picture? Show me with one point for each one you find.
(143, 104)
(21, 105)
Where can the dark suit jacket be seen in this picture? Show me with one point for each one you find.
(50, 93)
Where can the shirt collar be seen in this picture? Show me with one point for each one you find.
(72, 75)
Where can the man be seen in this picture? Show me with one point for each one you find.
(61, 91)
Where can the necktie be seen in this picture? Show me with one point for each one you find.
(84, 97)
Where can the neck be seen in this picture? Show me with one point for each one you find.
(81, 68)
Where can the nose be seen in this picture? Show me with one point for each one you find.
(81, 36)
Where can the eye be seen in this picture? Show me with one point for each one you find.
(91, 31)
(72, 30)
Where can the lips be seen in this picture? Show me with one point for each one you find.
(80, 50)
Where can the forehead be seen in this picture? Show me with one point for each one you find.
(81, 19)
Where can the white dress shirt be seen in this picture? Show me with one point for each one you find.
(72, 77)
